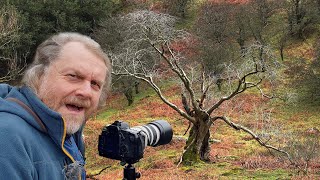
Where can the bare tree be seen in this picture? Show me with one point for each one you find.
(8, 25)
(14, 68)
(11, 65)
(200, 98)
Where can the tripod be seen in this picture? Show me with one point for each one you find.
(129, 172)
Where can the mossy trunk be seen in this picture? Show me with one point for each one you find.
(197, 146)
(129, 95)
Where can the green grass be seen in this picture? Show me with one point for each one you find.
(258, 174)
(107, 114)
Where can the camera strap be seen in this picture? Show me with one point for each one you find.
(31, 112)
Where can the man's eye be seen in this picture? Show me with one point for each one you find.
(71, 75)
(95, 85)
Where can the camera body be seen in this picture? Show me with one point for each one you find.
(119, 141)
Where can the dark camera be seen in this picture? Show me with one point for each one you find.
(119, 141)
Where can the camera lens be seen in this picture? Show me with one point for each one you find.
(158, 132)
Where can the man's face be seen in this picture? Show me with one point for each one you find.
(72, 84)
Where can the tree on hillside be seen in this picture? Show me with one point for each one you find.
(177, 8)
(127, 85)
(240, 26)
(220, 24)
(214, 29)
(152, 35)
(302, 14)
(262, 21)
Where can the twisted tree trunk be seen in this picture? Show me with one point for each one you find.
(197, 147)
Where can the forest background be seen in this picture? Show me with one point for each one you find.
(253, 64)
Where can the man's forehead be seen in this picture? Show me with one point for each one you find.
(75, 56)
(78, 47)
(74, 48)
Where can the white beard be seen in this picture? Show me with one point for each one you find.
(73, 123)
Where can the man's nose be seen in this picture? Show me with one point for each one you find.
(84, 90)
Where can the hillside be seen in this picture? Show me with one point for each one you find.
(233, 155)
(289, 121)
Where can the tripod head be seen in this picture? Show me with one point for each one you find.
(129, 172)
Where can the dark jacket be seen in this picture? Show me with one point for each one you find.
(30, 149)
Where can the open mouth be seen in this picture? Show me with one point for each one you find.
(74, 107)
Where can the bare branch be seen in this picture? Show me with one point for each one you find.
(149, 80)
(179, 71)
(242, 85)
(252, 69)
(15, 68)
(256, 137)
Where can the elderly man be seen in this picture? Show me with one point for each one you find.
(41, 122)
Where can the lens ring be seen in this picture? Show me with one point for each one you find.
(152, 132)
(157, 133)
